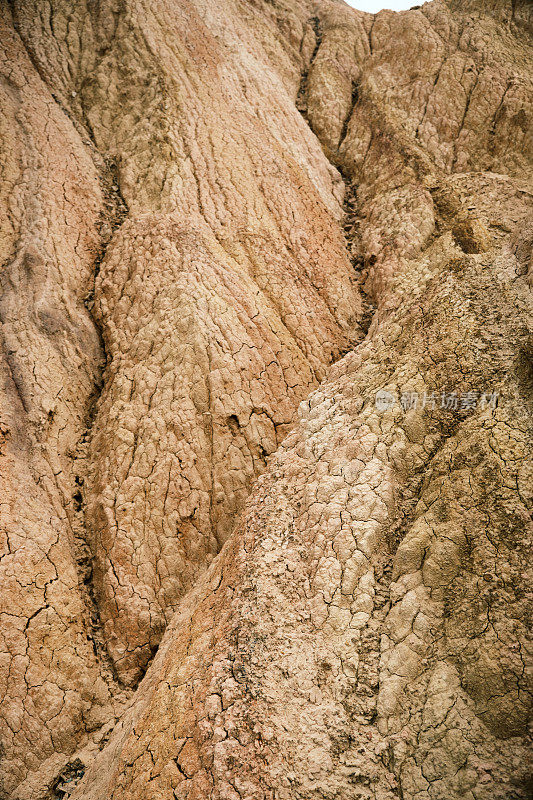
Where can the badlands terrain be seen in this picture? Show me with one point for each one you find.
(266, 400)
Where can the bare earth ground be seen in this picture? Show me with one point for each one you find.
(227, 572)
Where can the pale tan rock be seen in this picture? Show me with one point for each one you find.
(222, 300)
(53, 690)
(364, 631)
(317, 656)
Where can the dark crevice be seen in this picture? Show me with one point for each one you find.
(524, 373)
(498, 113)
(370, 35)
(233, 423)
(353, 103)
(113, 214)
(84, 560)
(350, 221)
(303, 92)
(67, 780)
(465, 113)
(351, 233)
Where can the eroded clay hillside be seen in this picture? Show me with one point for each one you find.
(265, 419)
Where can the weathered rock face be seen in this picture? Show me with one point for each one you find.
(206, 205)
(222, 299)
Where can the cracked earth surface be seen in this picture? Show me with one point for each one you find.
(226, 572)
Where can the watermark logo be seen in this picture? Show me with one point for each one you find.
(384, 400)
(450, 401)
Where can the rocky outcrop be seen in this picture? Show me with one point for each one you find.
(266, 291)
(52, 687)
(222, 299)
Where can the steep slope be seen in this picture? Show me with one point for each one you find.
(51, 687)
(222, 298)
(318, 658)
(251, 187)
